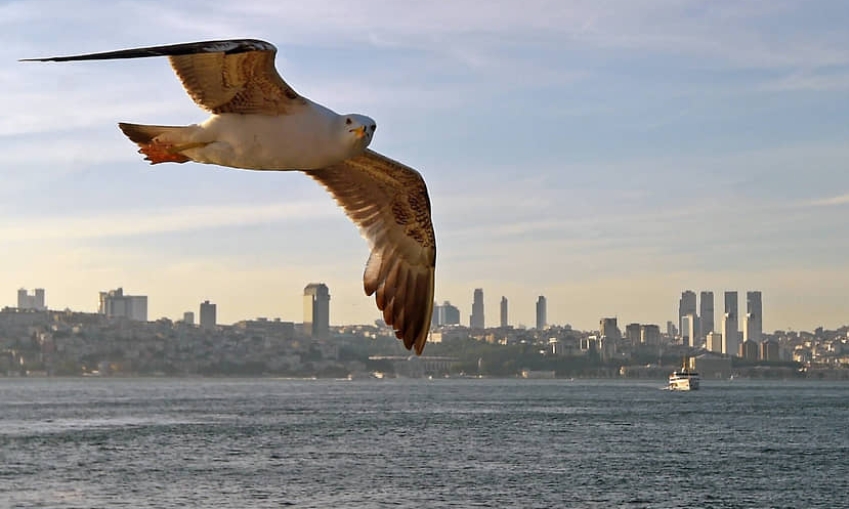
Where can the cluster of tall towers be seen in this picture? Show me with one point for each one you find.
(697, 323)
(447, 314)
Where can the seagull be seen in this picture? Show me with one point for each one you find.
(259, 122)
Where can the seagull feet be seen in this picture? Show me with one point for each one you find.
(158, 152)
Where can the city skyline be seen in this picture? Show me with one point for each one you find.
(319, 292)
(605, 156)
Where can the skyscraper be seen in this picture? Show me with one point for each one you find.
(730, 338)
(208, 315)
(189, 318)
(542, 313)
(476, 321)
(706, 316)
(686, 306)
(504, 321)
(753, 328)
(317, 310)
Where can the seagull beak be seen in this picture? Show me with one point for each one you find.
(360, 132)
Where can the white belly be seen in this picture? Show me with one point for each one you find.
(303, 140)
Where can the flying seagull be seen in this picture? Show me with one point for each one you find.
(258, 122)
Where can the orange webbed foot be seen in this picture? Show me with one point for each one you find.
(162, 153)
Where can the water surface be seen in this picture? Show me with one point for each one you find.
(211, 443)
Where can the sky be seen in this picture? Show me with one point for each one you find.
(607, 155)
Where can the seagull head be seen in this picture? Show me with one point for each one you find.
(358, 130)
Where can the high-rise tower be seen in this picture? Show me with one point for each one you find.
(706, 316)
(686, 306)
(754, 317)
(317, 310)
(504, 320)
(730, 339)
(541, 313)
(476, 321)
(208, 315)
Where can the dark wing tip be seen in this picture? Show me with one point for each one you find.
(408, 309)
(227, 46)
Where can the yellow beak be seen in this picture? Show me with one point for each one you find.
(360, 132)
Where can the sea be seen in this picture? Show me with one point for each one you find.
(420, 443)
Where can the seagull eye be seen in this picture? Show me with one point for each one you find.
(347, 121)
(373, 127)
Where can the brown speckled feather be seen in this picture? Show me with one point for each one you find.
(235, 83)
(389, 203)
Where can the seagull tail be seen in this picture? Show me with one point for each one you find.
(152, 144)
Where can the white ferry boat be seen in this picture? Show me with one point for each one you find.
(684, 379)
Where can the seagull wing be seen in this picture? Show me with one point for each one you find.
(228, 76)
(389, 203)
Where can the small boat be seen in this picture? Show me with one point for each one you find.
(684, 379)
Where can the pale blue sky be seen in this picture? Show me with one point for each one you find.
(605, 154)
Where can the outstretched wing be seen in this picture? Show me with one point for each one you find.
(389, 203)
(228, 76)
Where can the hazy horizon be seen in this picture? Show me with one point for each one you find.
(605, 156)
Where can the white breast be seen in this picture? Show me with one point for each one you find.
(304, 139)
